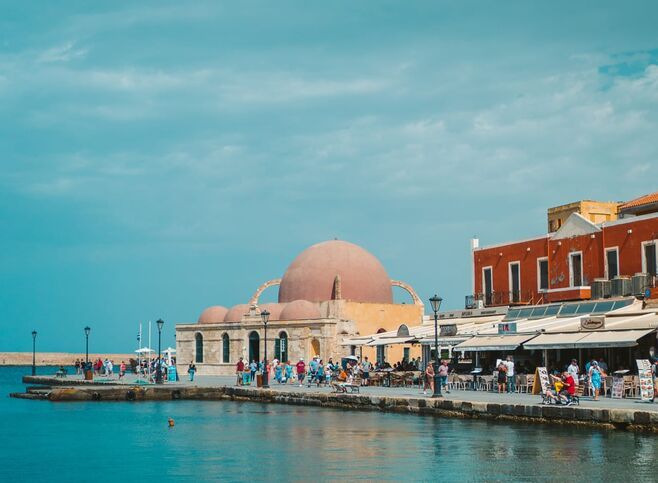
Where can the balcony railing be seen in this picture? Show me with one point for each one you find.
(492, 299)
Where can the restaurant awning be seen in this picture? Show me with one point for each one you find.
(564, 340)
(583, 340)
(493, 342)
(445, 341)
(391, 340)
(613, 338)
(356, 341)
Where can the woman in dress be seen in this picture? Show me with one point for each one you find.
(595, 375)
(502, 377)
(429, 378)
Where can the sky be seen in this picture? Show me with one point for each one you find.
(157, 158)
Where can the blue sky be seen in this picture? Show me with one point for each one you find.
(157, 158)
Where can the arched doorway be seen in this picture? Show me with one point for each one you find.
(199, 347)
(254, 346)
(281, 347)
(226, 348)
(315, 348)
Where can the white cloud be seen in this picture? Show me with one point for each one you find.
(61, 53)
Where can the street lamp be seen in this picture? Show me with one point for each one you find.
(265, 316)
(87, 330)
(158, 370)
(34, 352)
(436, 305)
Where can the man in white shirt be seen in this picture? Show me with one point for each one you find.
(573, 371)
(511, 376)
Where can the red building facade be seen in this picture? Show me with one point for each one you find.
(561, 266)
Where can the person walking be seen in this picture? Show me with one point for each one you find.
(122, 370)
(191, 370)
(511, 375)
(288, 372)
(366, 367)
(595, 376)
(502, 377)
(429, 378)
(239, 369)
(443, 375)
(253, 367)
(301, 371)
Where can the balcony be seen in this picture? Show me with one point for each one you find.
(503, 298)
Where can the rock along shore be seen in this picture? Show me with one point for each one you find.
(627, 419)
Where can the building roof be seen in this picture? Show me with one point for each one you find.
(213, 315)
(641, 201)
(312, 275)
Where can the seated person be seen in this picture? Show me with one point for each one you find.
(338, 383)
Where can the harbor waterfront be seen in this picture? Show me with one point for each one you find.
(222, 440)
(521, 408)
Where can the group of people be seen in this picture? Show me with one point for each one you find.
(315, 372)
(428, 379)
(506, 378)
(100, 367)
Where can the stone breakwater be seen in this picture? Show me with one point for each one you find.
(627, 419)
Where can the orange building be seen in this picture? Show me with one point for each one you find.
(580, 260)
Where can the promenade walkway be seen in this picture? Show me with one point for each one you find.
(408, 392)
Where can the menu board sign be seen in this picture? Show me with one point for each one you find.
(542, 382)
(617, 387)
(646, 381)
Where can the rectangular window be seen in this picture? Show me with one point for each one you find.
(576, 269)
(649, 258)
(611, 262)
(542, 274)
(380, 353)
(487, 285)
(405, 357)
(515, 282)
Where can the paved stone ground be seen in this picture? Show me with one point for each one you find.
(461, 395)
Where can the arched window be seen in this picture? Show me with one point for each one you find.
(226, 348)
(281, 347)
(199, 347)
(315, 347)
(254, 346)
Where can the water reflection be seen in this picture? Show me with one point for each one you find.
(238, 441)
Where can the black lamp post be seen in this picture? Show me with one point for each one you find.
(436, 305)
(265, 316)
(87, 330)
(34, 352)
(158, 370)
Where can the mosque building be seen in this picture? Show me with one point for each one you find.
(330, 295)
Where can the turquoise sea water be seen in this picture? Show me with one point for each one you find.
(227, 441)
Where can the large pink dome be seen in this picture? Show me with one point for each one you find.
(213, 315)
(300, 310)
(236, 313)
(273, 309)
(311, 275)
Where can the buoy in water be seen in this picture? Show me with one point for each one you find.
(171, 422)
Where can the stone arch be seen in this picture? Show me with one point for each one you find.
(270, 283)
(410, 290)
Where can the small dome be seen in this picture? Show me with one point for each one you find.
(213, 315)
(236, 313)
(312, 274)
(300, 310)
(274, 310)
